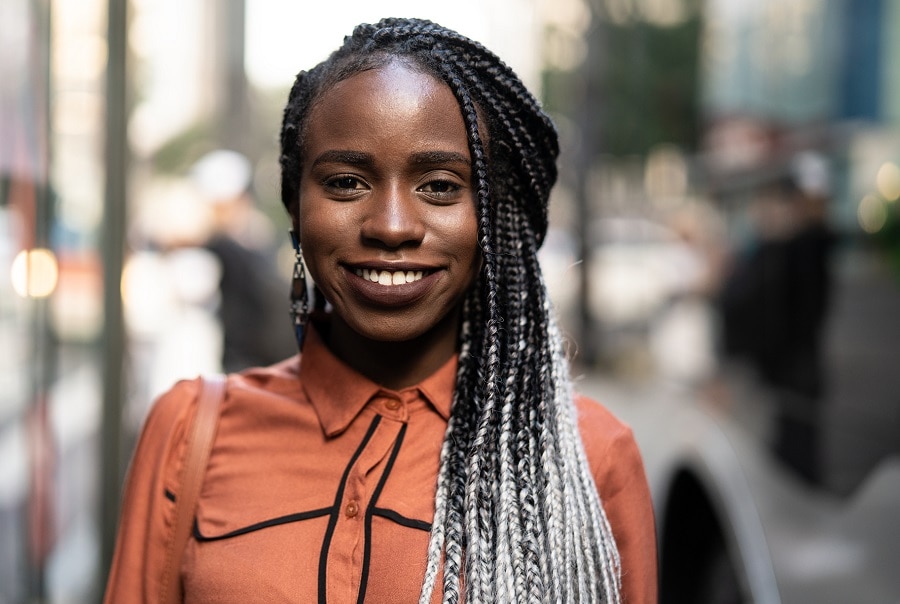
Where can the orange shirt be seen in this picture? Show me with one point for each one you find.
(320, 488)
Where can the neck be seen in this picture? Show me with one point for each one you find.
(395, 365)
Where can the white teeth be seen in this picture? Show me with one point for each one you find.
(388, 277)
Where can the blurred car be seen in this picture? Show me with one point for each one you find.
(631, 269)
(735, 525)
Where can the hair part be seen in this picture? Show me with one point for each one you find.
(517, 513)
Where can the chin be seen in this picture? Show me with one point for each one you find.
(391, 334)
(398, 329)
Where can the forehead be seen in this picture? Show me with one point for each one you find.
(396, 102)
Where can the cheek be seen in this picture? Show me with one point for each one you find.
(313, 219)
(473, 250)
(470, 228)
(312, 242)
(469, 250)
(312, 230)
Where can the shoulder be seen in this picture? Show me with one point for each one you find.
(282, 378)
(166, 424)
(600, 428)
(176, 406)
(609, 445)
(174, 410)
(171, 409)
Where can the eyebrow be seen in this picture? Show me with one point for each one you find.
(354, 158)
(440, 157)
(358, 158)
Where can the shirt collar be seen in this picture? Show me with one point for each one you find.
(338, 393)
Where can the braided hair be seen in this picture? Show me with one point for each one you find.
(517, 514)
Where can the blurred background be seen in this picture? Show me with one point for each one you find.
(724, 234)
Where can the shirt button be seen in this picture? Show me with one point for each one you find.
(352, 509)
(392, 404)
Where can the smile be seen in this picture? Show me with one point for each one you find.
(390, 277)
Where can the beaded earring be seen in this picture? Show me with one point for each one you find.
(299, 293)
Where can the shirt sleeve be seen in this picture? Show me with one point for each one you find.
(618, 471)
(146, 521)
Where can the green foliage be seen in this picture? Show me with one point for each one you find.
(642, 83)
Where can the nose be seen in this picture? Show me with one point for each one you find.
(393, 219)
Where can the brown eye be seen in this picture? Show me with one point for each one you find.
(440, 190)
(344, 182)
(440, 186)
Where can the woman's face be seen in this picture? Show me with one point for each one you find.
(387, 211)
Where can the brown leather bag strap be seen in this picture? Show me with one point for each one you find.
(209, 399)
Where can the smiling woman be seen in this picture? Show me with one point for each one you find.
(426, 444)
(386, 191)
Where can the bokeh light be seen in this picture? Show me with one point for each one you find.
(888, 181)
(872, 214)
(34, 273)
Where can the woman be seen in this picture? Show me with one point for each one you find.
(426, 445)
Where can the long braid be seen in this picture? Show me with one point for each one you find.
(480, 515)
(517, 514)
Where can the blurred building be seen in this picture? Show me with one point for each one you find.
(784, 78)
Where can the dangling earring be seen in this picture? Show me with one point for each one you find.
(299, 293)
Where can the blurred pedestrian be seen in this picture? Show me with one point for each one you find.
(253, 300)
(426, 446)
(774, 304)
(809, 284)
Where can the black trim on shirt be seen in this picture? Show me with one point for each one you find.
(261, 525)
(299, 516)
(364, 578)
(336, 511)
(402, 520)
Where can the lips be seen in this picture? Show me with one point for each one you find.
(391, 287)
